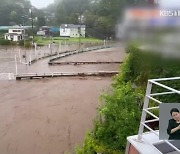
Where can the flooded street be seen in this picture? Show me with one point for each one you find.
(48, 115)
(95, 56)
(7, 56)
(51, 115)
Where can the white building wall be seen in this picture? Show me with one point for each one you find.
(74, 32)
(65, 32)
(13, 37)
(9, 37)
(83, 32)
(16, 31)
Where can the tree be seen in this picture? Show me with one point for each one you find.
(41, 21)
(69, 10)
(100, 16)
(12, 10)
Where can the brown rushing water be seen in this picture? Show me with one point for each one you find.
(48, 115)
(51, 116)
(7, 58)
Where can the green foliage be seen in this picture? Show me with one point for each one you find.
(11, 12)
(100, 16)
(4, 42)
(119, 117)
(41, 21)
(92, 146)
(57, 40)
(13, 43)
(21, 42)
(28, 44)
(143, 65)
(120, 110)
(2, 32)
(69, 10)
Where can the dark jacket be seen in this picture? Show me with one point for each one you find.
(176, 135)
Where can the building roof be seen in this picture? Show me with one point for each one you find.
(72, 26)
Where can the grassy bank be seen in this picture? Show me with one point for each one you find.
(41, 41)
(47, 40)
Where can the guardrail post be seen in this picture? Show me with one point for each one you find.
(9, 74)
(143, 116)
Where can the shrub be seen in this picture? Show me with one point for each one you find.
(28, 44)
(21, 42)
(4, 42)
(120, 110)
(13, 43)
(40, 44)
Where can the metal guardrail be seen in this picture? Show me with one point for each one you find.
(84, 62)
(69, 53)
(147, 110)
(64, 74)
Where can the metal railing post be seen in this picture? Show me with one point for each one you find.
(146, 103)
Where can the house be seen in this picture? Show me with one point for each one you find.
(15, 34)
(41, 33)
(71, 30)
(44, 30)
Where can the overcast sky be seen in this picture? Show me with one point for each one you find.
(41, 3)
(163, 3)
(170, 3)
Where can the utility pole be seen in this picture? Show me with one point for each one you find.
(50, 45)
(31, 18)
(32, 24)
(79, 31)
(16, 68)
(59, 47)
(24, 39)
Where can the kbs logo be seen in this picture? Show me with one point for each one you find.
(169, 13)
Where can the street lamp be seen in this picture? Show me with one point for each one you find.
(32, 24)
(30, 11)
(80, 20)
(24, 37)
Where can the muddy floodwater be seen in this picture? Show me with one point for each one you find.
(51, 115)
(47, 116)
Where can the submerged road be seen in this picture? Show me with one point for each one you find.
(52, 116)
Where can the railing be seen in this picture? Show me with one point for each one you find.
(68, 53)
(148, 110)
(64, 74)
